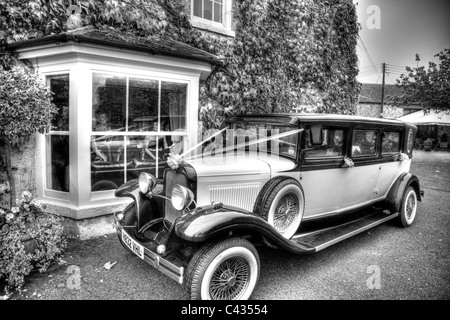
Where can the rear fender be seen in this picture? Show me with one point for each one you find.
(208, 223)
(395, 194)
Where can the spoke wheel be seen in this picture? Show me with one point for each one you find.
(281, 203)
(226, 270)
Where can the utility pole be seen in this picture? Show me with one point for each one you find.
(383, 68)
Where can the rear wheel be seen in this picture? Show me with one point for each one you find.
(225, 270)
(409, 207)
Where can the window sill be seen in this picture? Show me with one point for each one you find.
(212, 28)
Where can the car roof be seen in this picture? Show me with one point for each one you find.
(297, 118)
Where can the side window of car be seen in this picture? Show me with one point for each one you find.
(332, 144)
(364, 142)
(390, 142)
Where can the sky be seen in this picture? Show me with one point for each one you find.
(393, 31)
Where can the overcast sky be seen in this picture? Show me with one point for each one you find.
(393, 31)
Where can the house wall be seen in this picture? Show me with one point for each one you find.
(374, 110)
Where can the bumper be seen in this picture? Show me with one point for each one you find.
(155, 260)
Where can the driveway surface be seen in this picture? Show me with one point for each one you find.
(384, 263)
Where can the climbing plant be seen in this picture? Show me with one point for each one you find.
(285, 54)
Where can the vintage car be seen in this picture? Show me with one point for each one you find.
(298, 182)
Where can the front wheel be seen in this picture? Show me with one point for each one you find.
(225, 270)
(409, 207)
(281, 203)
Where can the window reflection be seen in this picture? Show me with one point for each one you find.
(59, 85)
(108, 102)
(58, 162)
(134, 135)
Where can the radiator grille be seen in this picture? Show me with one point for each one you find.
(172, 178)
(242, 196)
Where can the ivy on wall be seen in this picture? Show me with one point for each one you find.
(285, 54)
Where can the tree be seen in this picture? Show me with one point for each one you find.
(430, 88)
(25, 107)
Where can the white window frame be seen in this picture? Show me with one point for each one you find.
(223, 28)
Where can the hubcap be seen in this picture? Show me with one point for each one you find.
(410, 207)
(285, 212)
(230, 279)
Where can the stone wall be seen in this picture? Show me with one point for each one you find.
(23, 163)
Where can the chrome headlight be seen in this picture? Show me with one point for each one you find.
(182, 197)
(146, 182)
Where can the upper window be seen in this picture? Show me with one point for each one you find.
(364, 142)
(209, 9)
(213, 15)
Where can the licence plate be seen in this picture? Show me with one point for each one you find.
(133, 245)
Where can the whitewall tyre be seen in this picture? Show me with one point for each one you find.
(282, 203)
(225, 270)
(408, 209)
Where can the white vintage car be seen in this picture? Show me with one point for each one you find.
(294, 182)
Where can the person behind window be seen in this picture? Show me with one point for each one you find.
(338, 143)
(101, 124)
(365, 145)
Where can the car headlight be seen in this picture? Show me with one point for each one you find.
(146, 182)
(182, 197)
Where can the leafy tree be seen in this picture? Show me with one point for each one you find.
(428, 87)
(25, 107)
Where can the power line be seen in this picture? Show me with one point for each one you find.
(368, 56)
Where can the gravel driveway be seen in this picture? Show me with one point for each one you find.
(386, 262)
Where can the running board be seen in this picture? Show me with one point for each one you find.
(324, 238)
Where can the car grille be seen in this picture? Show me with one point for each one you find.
(172, 178)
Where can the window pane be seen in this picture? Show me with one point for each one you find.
(391, 142)
(208, 9)
(59, 85)
(147, 153)
(173, 106)
(332, 145)
(143, 105)
(364, 142)
(57, 150)
(218, 11)
(108, 102)
(198, 8)
(107, 162)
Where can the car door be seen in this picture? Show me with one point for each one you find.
(361, 180)
(323, 179)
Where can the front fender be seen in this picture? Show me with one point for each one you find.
(147, 209)
(208, 223)
(395, 194)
